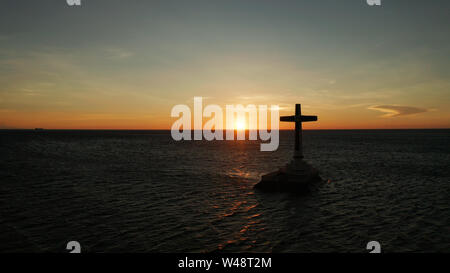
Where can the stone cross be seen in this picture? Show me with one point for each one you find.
(298, 119)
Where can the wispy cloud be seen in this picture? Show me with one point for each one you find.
(397, 110)
(118, 53)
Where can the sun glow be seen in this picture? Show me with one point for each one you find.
(240, 125)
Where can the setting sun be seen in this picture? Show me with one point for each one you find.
(240, 125)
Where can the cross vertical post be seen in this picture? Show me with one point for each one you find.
(298, 153)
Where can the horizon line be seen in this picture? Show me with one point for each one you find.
(135, 129)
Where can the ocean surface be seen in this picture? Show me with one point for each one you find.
(140, 191)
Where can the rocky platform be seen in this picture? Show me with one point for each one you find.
(298, 176)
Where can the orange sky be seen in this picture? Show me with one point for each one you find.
(337, 119)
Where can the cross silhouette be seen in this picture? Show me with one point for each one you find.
(298, 119)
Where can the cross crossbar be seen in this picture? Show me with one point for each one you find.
(302, 118)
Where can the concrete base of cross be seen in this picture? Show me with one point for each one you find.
(297, 176)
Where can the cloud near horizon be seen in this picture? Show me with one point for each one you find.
(397, 110)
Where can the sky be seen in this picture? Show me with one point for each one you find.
(111, 64)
